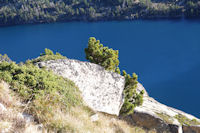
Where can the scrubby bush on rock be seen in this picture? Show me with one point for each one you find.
(48, 55)
(97, 53)
(132, 97)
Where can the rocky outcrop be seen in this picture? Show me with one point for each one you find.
(154, 115)
(101, 90)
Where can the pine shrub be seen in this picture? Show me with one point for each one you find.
(132, 97)
(98, 54)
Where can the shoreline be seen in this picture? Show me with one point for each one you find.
(103, 20)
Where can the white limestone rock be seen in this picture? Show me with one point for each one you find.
(101, 90)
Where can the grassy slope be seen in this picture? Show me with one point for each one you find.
(76, 120)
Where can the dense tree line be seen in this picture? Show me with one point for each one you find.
(192, 9)
(31, 11)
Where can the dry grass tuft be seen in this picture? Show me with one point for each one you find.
(5, 97)
(78, 121)
(10, 120)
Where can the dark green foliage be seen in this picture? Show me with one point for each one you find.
(48, 55)
(97, 53)
(132, 97)
(192, 9)
(45, 90)
(39, 11)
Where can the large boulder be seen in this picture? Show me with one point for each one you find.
(154, 115)
(101, 90)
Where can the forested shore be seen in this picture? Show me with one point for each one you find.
(13, 12)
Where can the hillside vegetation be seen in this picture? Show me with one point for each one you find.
(45, 11)
(45, 94)
(55, 102)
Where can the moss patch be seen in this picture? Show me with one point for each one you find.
(186, 121)
(165, 117)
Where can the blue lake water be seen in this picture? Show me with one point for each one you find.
(165, 54)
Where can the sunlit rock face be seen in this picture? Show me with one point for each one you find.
(101, 90)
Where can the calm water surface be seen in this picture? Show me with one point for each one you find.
(165, 54)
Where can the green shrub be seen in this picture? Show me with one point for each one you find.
(47, 52)
(132, 97)
(43, 91)
(48, 55)
(97, 53)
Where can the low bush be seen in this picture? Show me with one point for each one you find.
(48, 55)
(132, 97)
(43, 92)
(98, 54)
